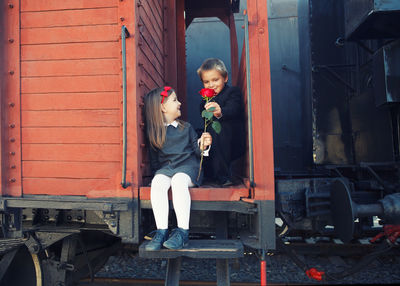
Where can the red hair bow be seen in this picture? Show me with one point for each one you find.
(164, 93)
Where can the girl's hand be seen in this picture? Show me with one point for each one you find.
(217, 112)
(205, 140)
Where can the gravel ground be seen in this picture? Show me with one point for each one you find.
(280, 269)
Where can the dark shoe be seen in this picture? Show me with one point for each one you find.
(150, 235)
(178, 239)
(227, 183)
(156, 242)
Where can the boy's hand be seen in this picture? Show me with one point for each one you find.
(217, 112)
(205, 140)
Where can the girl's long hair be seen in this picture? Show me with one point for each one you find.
(155, 126)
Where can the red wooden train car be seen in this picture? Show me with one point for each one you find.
(74, 172)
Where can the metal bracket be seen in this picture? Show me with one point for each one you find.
(111, 219)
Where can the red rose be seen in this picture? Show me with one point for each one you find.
(207, 93)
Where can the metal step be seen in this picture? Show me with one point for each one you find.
(219, 249)
(207, 248)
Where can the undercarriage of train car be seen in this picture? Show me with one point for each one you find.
(353, 202)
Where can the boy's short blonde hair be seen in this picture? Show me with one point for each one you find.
(213, 64)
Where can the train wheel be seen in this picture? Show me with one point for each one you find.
(24, 269)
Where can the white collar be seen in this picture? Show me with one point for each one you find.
(173, 123)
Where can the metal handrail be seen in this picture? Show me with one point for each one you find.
(124, 35)
(249, 112)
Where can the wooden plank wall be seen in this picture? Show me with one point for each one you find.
(151, 61)
(70, 96)
(151, 44)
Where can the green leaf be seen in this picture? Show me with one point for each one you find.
(216, 126)
(211, 109)
(207, 114)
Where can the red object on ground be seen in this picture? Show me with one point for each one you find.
(263, 270)
(315, 274)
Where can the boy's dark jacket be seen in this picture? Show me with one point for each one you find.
(231, 141)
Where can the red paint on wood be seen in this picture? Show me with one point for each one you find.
(72, 170)
(11, 184)
(39, 19)
(170, 68)
(65, 101)
(90, 188)
(147, 40)
(151, 61)
(208, 194)
(128, 10)
(181, 55)
(261, 100)
(81, 67)
(72, 152)
(87, 135)
(45, 5)
(153, 15)
(70, 118)
(151, 69)
(70, 34)
(234, 49)
(95, 50)
(149, 22)
(70, 84)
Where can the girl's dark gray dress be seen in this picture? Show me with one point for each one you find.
(180, 153)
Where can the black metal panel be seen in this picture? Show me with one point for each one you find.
(387, 74)
(332, 133)
(372, 19)
(292, 123)
(371, 125)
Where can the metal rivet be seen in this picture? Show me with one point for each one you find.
(11, 72)
(122, 19)
(11, 104)
(12, 139)
(11, 40)
(12, 180)
(10, 6)
(13, 167)
(12, 125)
(12, 153)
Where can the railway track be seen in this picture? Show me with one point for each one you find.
(331, 257)
(150, 282)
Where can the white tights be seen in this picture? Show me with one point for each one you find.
(179, 183)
